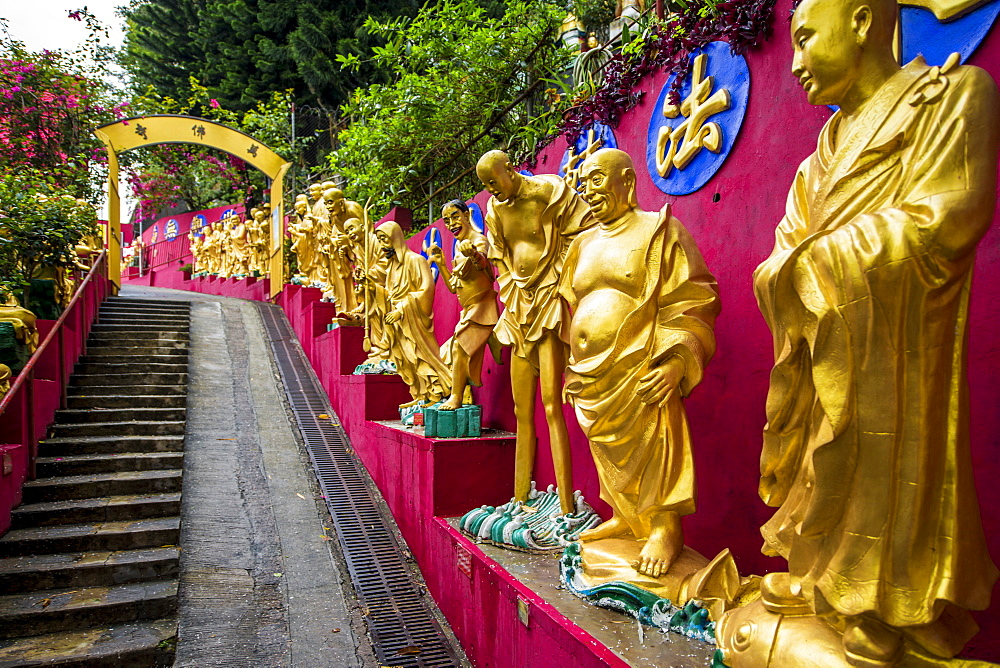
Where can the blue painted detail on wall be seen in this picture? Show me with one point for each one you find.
(431, 238)
(170, 230)
(478, 220)
(197, 223)
(601, 131)
(526, 172)
(729, 72)
(923, 34)
(227, 213)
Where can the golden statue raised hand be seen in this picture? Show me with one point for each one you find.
(644, 306)
(471, 280)
(866, 449)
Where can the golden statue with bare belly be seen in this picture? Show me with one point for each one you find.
(531, 220)
(644, 306)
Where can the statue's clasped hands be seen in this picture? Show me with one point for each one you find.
(657, 385)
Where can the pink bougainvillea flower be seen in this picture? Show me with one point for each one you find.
(213, 103)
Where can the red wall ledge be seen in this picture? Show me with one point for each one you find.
(40, 389)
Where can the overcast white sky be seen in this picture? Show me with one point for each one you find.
(45, 24)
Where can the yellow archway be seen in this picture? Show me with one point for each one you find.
(175, 129)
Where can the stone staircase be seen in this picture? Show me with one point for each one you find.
(88, 571)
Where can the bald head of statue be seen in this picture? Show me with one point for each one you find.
(498, 176)
(608, 179)
(843, 49)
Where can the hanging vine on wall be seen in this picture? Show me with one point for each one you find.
(667, 45)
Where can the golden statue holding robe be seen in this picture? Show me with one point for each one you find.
(340, 286)
(866, 449)
(407, 299)
(530, 221)
(370, 261)
(471, 280)
(644, 307)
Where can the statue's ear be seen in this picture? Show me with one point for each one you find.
(861, 23)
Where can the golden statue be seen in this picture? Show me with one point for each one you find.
(371, 263)
(866, 450)
(258, 241)
(471, 280)
(530, 221)
(23, 320)
(303, 232)
(407, 299)
(644, 306)
(317, 207)
(4, 380)
(239, 249)
(196, 245)
(338, 270)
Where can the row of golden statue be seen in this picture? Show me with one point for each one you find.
(233, 247)
(866, 449)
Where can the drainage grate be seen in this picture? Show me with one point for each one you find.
(403, 629)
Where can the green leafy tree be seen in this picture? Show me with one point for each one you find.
(40, 227)
(463, 80)
(241, 50)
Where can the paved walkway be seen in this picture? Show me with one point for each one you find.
(260, 584)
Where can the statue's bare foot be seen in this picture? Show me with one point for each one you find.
(665, 542)
(613, 528)
(453, 403)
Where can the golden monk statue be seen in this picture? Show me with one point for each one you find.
(4, 380)
(303, 233)
(257, 241)
(644, 306)
(317, 207)
(239, 249)
(23, 320)
(531, 220)
(338, 270)
(471, 280)
(196, 245)
(407, 299)
(372, 263)
(866, 450)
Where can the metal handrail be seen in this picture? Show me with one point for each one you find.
(54, 333)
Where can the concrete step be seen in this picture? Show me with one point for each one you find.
(134, 338)
(108, 463)
(130, 390)
(91, 537)
(87, 569)
(52, 610)
(124, 483)
(138, 365)
(139, 316)
(161, 308)
(131, 645)
(96, 509)
(118, 429)
(88, 380)
(118, 349)
(136, 328)
(110, 401)
(178, 356)
(154, 414)
(93, 445)
(146, 303)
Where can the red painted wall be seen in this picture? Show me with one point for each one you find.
(735, 234)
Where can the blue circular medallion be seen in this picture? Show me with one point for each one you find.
(688, 142)
(596, 136)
